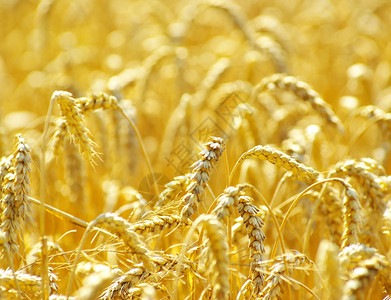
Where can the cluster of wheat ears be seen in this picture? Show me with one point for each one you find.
(195, 149)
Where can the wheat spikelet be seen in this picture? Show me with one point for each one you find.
(75, 124)
(351, 213)
(281, 160)
(60, 136)
(96, 101)
(35, 259)
(374, 187)
(245, 123)
(273, 49)
(201, 172)
(302, 91)
(5, 165)
(120, 287)
(229, 198)
(22, 161)
(10, 218)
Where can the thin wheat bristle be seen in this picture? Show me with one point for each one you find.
(200, 176)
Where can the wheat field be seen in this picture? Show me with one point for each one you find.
(195, 149)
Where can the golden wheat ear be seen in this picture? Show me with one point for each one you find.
(75, 123)
(200, 176)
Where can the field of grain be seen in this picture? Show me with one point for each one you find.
(195, 149)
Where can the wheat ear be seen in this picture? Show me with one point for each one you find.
(120, 227)
(361, 264)
(254, 224)
(274, 285)
(75, 123)
(303, 91)
(173, 188)
(262, 44)
(200, 176)
(29, 284)
(280, 159)
(219, 248)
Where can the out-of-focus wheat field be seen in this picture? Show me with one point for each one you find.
(195, 149)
